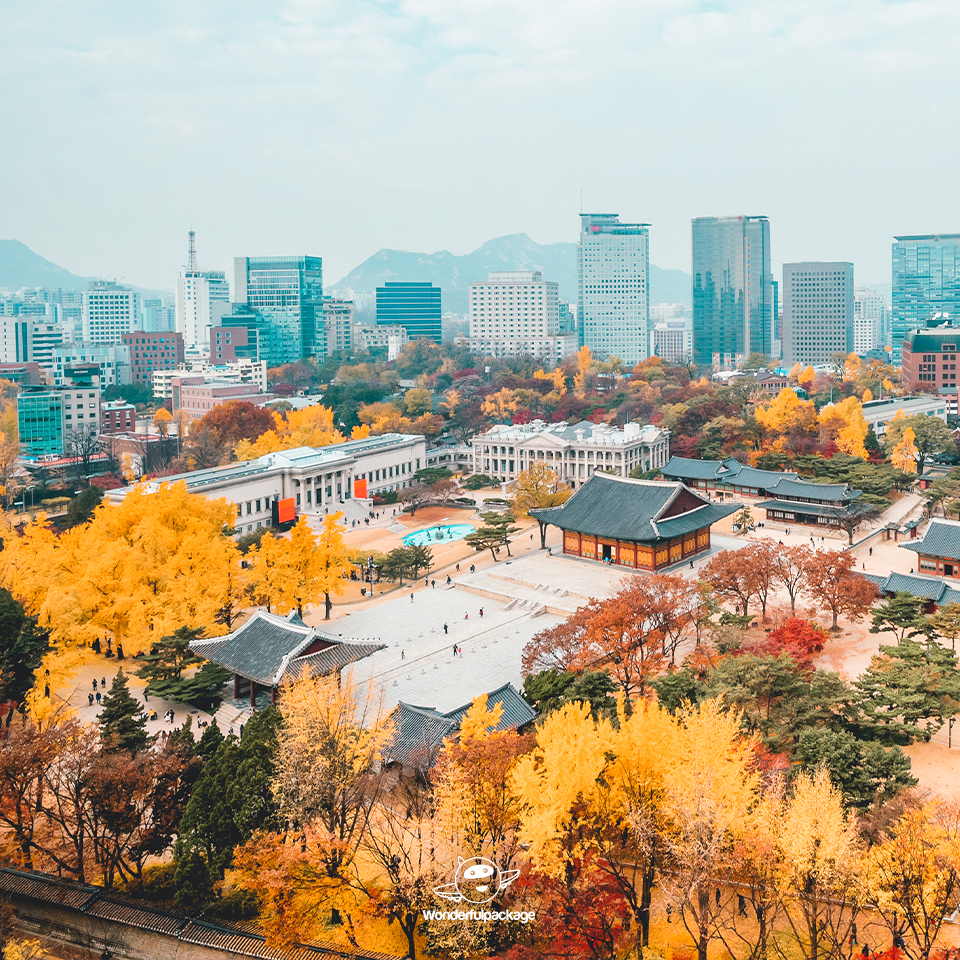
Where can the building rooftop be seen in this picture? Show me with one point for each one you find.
(941, 539)
(268, 648)
(419, 731)
(636, 510)
(582, 432)
(836, 493)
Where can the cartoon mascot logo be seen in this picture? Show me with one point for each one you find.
(478, 880)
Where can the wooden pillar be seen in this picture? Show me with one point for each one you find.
(253, 694)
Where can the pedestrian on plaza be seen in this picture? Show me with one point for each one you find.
(411, 598)
(691, 564)
(458, 568)
(146, 699)
(473, 569)
(481, 613)
(444, 628)
(103, 683)
(90, 698)
(460, 651)
(98, 697)
(454, 649)
(871, 551)
(448, 578)
(466, 616)
(94, 683)
(403, 654)
(433, 584)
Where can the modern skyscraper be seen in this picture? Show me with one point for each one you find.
(817, 311)
(197, 291)
(926, 284)
(109, 311)
(870, 320)
(415, 306)
(286, 295)
(732, 289)
(613, 269)
(339, 317)
(156, 316)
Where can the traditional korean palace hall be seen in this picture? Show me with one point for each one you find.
(938, 548)
(728, 476)
(642, 524)
(819, 504)
(267, 650)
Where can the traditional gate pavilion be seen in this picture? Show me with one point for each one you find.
(268, 649)
(643, 524)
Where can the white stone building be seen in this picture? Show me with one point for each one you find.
(339, 317)
(109, 311)
(318, 480)
(869, 320)
(515, 314)
(573, 451)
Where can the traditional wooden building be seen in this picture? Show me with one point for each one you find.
(268, 649)
(815, 504)
(723, 477)
(934, 591)
(938, 549)
(642, 524)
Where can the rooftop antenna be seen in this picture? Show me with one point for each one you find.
(192, 252)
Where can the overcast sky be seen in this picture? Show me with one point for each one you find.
(337, 127)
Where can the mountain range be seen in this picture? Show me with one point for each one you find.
(453, 274)
(21, 267)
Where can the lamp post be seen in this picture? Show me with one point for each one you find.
(371, 572)
(953, 720)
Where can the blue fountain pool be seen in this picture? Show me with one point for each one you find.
(445, 534)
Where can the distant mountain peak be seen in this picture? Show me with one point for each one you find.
(21, 267)
(514, 251)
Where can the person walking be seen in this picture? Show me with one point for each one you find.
(433, 584)
(444, 628)
(454, 649)
(460, 651)
(481, 613)
(90, 698)
(403, 654)
(411, 598)
(103, 683)
(98, 697)
(94, 683)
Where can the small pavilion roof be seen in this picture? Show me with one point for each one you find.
(822, 492)
(268, 648)
(419, 731)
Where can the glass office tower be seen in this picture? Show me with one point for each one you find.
(287, 294)
(732, 289)
(926, 284)
(613, 267)
(415, 306)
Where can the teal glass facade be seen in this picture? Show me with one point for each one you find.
(40, 422)
(926, 285)
(285, 299)
(415, 306)
(733, 293)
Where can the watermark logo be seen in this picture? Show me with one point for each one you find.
(477, 881)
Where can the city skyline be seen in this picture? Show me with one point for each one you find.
(370, 105)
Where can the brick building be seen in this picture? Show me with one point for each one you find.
(118, 416)
(151, 351)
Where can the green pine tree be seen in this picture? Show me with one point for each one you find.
(123, 725)
(164, 667)
(22, 647)
(232, 798)
(908, 691)
(901, 615)
(210, 741)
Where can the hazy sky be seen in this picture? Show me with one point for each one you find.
(337, 128)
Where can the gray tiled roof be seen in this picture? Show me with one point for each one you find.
(823, 492)
(622, 509)
(759, 479)
(687, 468)
(267, 648)
(929, 588)
(942, 539)
(419, 731)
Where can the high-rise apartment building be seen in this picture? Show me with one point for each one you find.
(29, 339)
(515, 314)
(109, 311)
(817, 311)
(157, 316)
(197, 292)
(339, 317)
(926, 284)
(284, 306)
(870, 321)
(732, 289)
(415, 306)
(613, 269)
